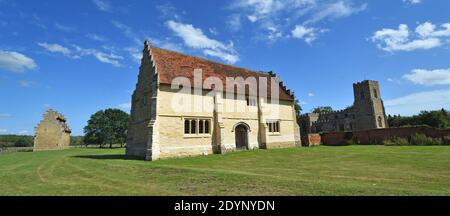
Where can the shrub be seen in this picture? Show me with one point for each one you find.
(21, 143)
(396, 141)
(446, 140)
(423, 140)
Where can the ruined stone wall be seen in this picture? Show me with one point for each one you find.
(367, 112)
(52, 133)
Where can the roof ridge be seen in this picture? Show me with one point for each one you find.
(212, 61)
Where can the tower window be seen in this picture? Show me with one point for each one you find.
(362, 95)
(380, 122)
(375, 93)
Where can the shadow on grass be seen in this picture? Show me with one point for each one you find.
(109, 157)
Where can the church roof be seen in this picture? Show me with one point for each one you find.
(171, 64)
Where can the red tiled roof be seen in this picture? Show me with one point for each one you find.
(172, 64)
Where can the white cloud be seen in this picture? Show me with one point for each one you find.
(311, 94)
(103, 5)
(95, 37)
(65, 28)
(24, 132)
(234, 22)
(336, 10)
(135, 53)
(56, 48)
(78, 52)
(285, 15)
(414, 103)
(412, 1)
(194, 38)
(16, 62)
(108, 58)
(402, 39)
(306, 33)
(390, 79)
(429, 77)
(2, 131)
(428, 29)
(129, 33)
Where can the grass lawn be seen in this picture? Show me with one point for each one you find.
(348, 170)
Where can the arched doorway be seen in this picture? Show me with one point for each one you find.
(241, 136)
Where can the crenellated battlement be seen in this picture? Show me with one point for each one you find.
(367, 112)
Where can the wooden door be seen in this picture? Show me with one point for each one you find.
(241, 137)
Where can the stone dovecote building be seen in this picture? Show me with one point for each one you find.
(52, 133)
(158, 130)
(367, 112)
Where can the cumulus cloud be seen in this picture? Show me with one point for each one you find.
(2, 131)
(308, 34)
(103, 5)
(195, 38)
(429, 77)
(416, 102)
(425, 36)
(16, 62)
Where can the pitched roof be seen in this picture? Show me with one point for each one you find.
(171, 64)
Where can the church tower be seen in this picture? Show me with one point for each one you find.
(368, 107)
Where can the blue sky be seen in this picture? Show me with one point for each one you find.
(80, 56)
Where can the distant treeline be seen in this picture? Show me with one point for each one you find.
(437, 119)
(16, 141)
(27, 141)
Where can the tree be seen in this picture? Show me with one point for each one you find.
(322, 109)
(437, 119)
(297, 107)
(22, 142)
(107, 127)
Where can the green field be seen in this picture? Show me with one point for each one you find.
(349, 170)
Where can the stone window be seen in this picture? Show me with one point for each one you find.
(362, 95)
(274, 126)
(197, 126)
(380, 122)
(375, 93)
(203, 126)
(144, 100)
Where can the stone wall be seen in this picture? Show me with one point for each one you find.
(52, 133)
(367, 112)
(377, 136)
